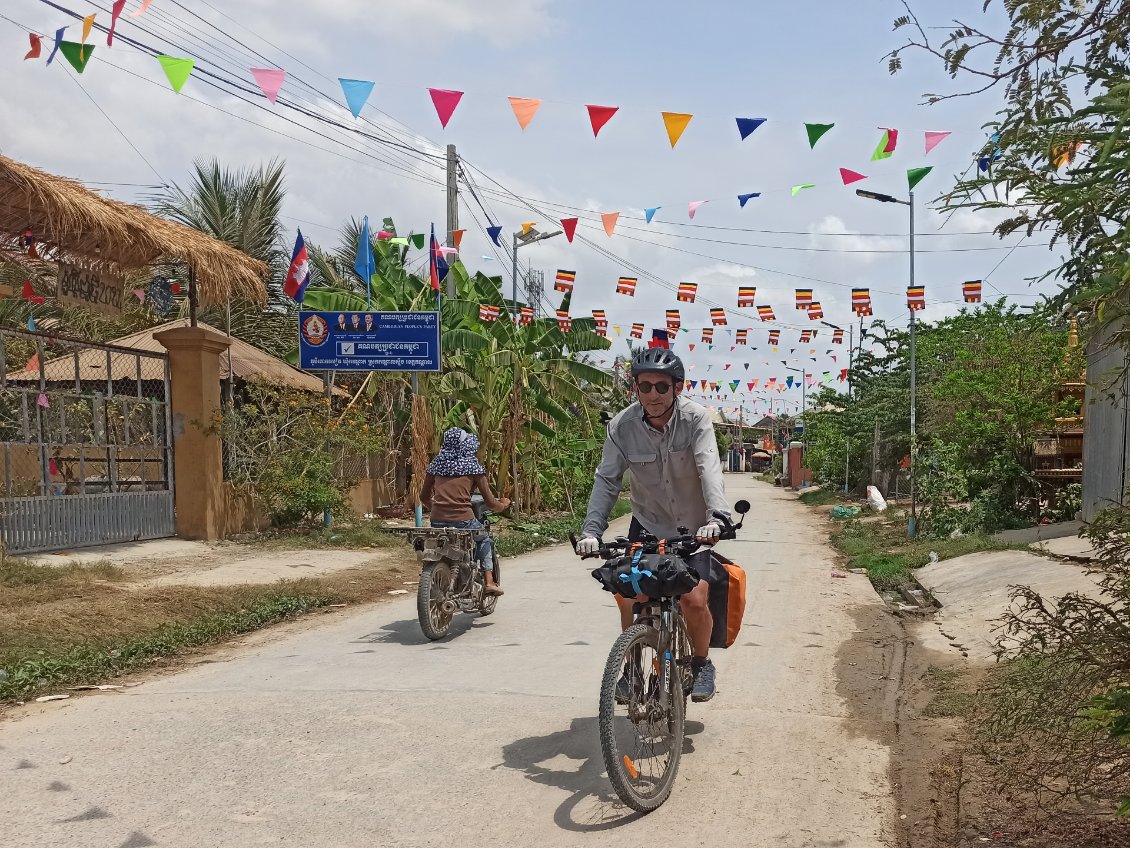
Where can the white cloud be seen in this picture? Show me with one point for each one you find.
(851, 244)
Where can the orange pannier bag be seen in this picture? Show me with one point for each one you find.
(726, 595)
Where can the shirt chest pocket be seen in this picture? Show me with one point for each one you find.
(682, 463)
(646, 468)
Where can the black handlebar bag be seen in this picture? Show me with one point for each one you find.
(653, 575)
(726, 594)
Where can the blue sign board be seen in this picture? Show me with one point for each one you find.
(369, 341)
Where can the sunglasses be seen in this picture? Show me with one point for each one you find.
(645, 387)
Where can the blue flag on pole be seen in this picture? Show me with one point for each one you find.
(364, 264)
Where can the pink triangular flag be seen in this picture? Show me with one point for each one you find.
(270, 81)
(692, 207)
(43, 401)
(849, 176)
(933, 139)
(524, 109)
(445, 102)
(115, 13)
(447, 251)
(609, 219)
(144, 5)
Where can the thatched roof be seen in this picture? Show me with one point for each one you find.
(247, 362)
(73, 223)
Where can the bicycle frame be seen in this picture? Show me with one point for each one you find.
(664, 615)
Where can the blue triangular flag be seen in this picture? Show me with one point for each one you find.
(31, 325)
(746, 126)
(58, 41)
(650, 213)
(356, 94)
(789, 381)
(494, 233)
(743, 199)
(363, 263)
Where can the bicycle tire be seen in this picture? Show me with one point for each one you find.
(428, 595)
(647, 636)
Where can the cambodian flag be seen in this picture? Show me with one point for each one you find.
(437, 265)
(298, 277)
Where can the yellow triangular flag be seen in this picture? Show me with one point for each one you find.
(675, 122)
(87, 26)
(524, 109)
(529, 225)
(616, 327)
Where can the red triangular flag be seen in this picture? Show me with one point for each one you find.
(849, 176)
(445, 102)
(569, 225)
(599, 116)
(36, 46)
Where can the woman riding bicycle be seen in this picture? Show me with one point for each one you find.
(451, 478)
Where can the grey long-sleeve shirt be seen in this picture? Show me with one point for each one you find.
(676, 472)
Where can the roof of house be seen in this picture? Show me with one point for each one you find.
(247, 362)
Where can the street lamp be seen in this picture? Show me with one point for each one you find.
(521, 239)
(912, 527)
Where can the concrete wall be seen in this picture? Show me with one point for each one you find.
(1106, 443)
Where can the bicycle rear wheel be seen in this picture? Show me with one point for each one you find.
(642, 739)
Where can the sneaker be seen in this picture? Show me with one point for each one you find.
(703, 683)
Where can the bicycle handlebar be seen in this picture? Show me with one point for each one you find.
(621, 545)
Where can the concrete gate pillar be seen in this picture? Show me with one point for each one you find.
(194, 375)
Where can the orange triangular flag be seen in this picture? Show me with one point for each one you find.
(33, 363)
(609, 219)
(675, 122)
(457, 238)
(87, 26)
(529, 225)
(524, 109)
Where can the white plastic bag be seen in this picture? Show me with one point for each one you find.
(875, 499)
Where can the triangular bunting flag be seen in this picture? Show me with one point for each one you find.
(815, 131)
(177, 70)
(569, 225)
(418, 240)
(797, 189)
(457, 237)
(915, 175)
(648, 214)
(270, 81)
(58, 43)
(115, 13)
(886, 145)
(524, 109)
(743, 199)
(77, 54)
(87, 26)
(356, 94)
(36, 46)
(676, 123)
(494, 233)
(141, 11)
(692, 207)
(933, 139)
(849, 176)
(610, 219)
(746, 126)
(599, 116)
(528, 225)
(445, 102)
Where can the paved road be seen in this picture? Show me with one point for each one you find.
(359, 733)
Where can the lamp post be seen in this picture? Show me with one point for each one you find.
(531, 236)
(912, 527)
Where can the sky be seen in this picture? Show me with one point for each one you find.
(120, 128)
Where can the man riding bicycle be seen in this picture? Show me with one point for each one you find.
(668, 444)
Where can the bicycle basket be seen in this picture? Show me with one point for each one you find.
(653, 575)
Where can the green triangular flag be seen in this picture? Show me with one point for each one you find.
(419, 240)
(177, 70)
(881, 151)
(915, 175)
(77, 54)
(398, 240)
(815, 131)
(797, 189)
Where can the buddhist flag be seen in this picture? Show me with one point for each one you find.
(627, 285)
(637, 331)
(602, 332)
(564, 281)
(766, 313)
(815, 312)
(805, 336)
(676, 123)
(526, 316)
(742, 337)
(837, 336)
(860, 299)
(774, 337)
(843, 374)
(687, 292)
(803, 298)
(718, 317)
(746, 295)
(971, 291)
(564, 322)
(487, 312)
(707, 335)
(674, 320)
(600, 317)
(916, 298)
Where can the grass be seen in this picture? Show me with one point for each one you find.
(952, 695)
(78, 625)
(819, 497)
(364, 534)
(889, 556)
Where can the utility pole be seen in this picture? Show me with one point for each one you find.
(913, 529)
(875, 457)
(452, 209)
(851, 355)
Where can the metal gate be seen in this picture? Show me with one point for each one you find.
(87, 443)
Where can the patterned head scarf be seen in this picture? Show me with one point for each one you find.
(458, 458)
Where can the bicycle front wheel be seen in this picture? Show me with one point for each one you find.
(641, 721)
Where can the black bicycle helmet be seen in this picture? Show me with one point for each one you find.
(658, 360)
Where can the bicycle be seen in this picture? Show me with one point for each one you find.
(643, 742)
(450, 578)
